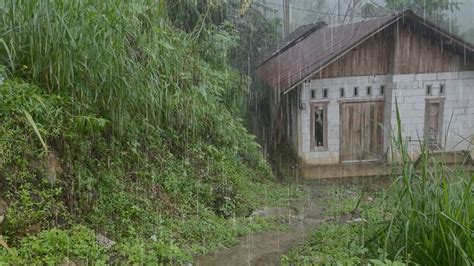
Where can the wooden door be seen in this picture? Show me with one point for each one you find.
(361, 137)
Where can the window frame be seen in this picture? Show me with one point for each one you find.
(325, 93)
(324, 105)
(368, 90)
(355, 92)
(342, 92)
(429, 90)
(382, 90)
(442, 89)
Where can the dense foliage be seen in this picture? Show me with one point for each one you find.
(113, 118)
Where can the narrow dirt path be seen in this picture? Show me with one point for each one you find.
(267, 248)
(263, 248)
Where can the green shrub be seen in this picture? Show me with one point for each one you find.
(56, 246)
(34, 209)
(149, 253)
(331, 244)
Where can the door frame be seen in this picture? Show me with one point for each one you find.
(440, 101)
(341, 102)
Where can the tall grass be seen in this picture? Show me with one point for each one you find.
(141, 116)
(123, 61)
(433, 215)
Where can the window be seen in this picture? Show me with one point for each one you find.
(325, 93)
(313, 94)
(434, 112)
(428, 90)
(369, 91)
(356, 91)
(441, 89)
(319, 126)
(341, 92)
(382, 90)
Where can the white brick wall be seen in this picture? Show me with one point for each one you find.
(458, 118)
(410, 92)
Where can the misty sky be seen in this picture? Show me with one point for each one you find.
(299, 16)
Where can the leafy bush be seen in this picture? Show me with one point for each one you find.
(331, 244)
(56, 246)
(139, 193)
(140, 252)
(34, 209)
(17, 99)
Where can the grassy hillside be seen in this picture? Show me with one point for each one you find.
(114, 122)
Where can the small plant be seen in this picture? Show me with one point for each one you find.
(34, 209)
(55, 246)
(386, 262)
(148, 253)
(331, 244)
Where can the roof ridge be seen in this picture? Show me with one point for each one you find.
(364, 20)
(293, 38)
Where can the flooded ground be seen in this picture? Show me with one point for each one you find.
(302, 217)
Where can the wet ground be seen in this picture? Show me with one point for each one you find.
(302, 217)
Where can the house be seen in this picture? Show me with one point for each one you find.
(338, 87)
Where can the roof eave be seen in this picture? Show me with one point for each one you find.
(397, 17)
